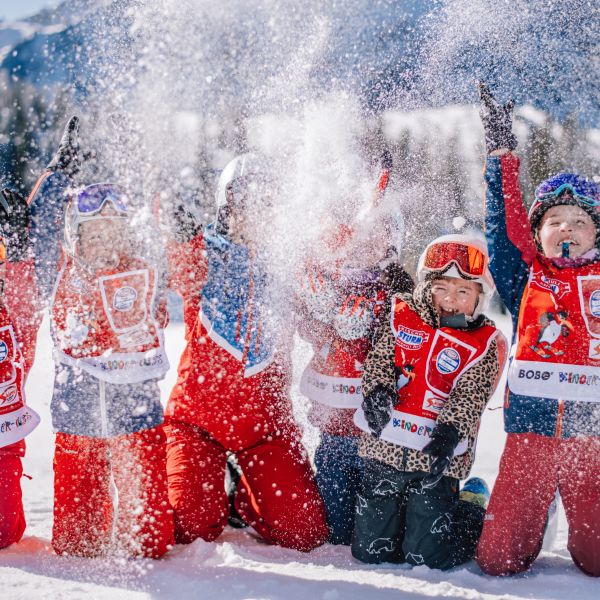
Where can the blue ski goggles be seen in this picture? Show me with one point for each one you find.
(581, 189)
(91, 200)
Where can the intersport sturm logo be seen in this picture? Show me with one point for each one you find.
(557, 287)
(410, 339)
(124, 299)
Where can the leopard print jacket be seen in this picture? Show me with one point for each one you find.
(463, 408)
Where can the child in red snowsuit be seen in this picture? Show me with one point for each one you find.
(18, 326)
(547, 271)
(108, 312)
(232, 393)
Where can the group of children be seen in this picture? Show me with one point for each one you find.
(399, 378)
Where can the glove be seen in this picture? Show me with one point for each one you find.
(497, 121)
(377, 407)
(66, 158)
(355, 318)
(444, 439)
(319, 295)
(14, 224)
(184, 226)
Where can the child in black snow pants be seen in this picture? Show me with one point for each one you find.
(425, 385)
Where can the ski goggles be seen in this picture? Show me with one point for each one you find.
(470, 260)
(581, 189)
(2, 252)
(91, 200)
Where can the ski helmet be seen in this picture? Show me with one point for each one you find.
(461, 256)
(243, 174)
(87, 204)
(570, 189)
(381, 226)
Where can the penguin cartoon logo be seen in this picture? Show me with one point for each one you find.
(406, 375)
(554, 326)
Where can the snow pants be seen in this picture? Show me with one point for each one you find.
(276, 494)
(532, 468)
(339, 471)
(110, 495)
(397, 520)
(12, 517)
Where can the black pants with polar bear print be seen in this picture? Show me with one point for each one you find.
(398, 520)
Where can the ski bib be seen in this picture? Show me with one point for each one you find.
(333, 376)
(106, 325)
(428, 362)
(16, 418)
(557, 350)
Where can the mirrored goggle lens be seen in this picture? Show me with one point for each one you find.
(92, 201)
(2, 252)
(581, 192)
(469, 259)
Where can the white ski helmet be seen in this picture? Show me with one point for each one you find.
(462, 256)
(245, 170)
(86, 205)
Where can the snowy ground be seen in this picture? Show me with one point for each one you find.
(237, 566)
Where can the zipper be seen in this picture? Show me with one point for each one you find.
(103, 414)
(248, 338)
(113, 491)
(404, 457)
(560, 411)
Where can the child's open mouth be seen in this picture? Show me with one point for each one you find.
(569, 241)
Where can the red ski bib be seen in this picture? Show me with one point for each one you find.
(557, 351)
(430, 362)
(16, 419)
(105, 324)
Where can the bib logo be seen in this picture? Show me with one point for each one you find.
(124, 299)
(3, 351)
(9, 396)
(447, 361)
(594, 303)
(555, 286)
(410, 339)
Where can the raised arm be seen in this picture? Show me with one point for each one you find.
(510, 242)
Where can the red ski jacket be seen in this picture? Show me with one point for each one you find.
(233, 376)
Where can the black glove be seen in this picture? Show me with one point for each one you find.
(14, 224)
(377, 407)
(444, 439)
(497, 121)
(67, 158)
(183, 224)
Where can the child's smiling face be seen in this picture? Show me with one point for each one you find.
(566, 223)
(104, 241)
(451, 295)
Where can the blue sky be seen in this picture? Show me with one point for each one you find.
(15, 9)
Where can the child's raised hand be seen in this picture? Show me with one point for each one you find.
(355, 317)
(67, 158)
(318, 294)
(497, 121)
(14, 224)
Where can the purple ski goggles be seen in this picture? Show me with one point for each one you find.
(92, 199)
(583, 190)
